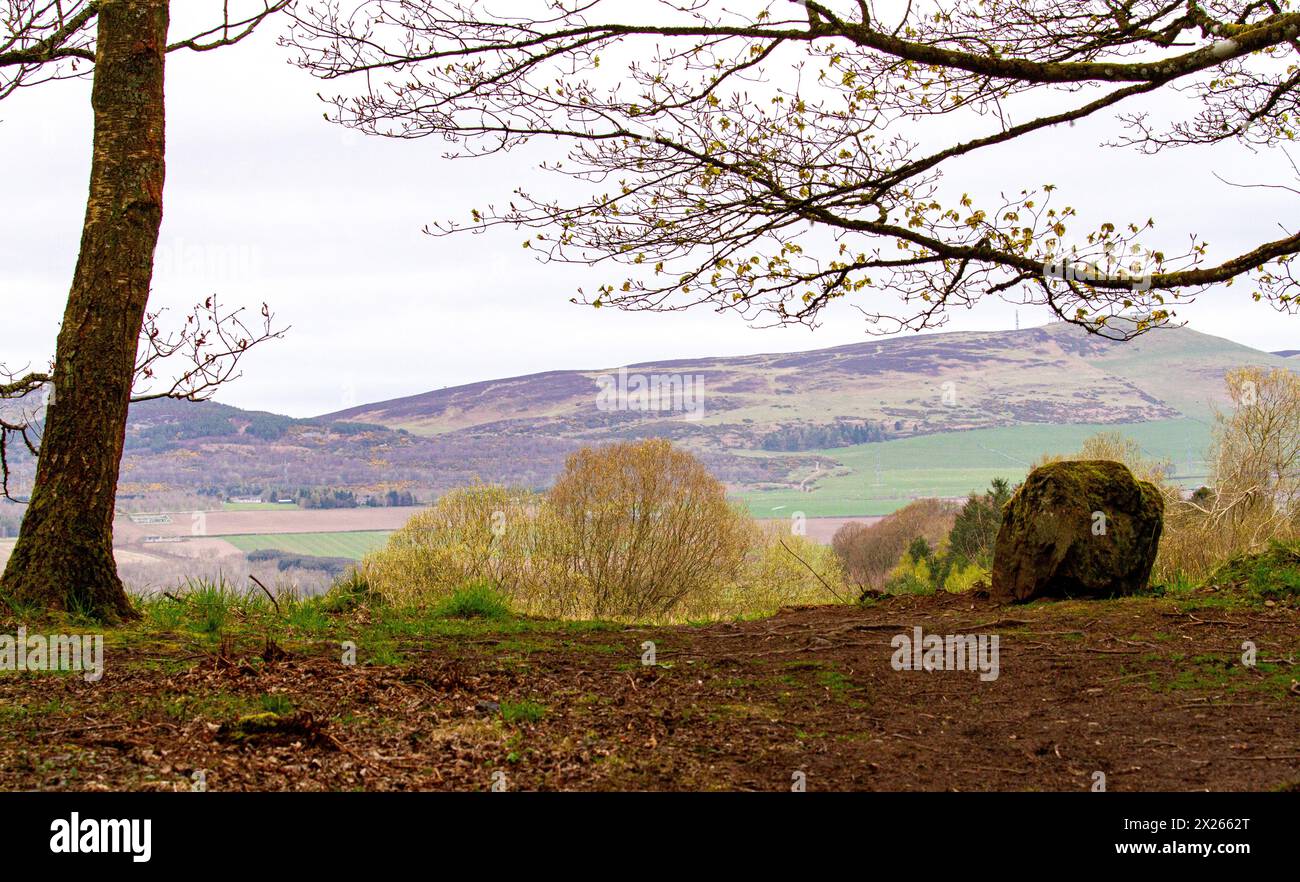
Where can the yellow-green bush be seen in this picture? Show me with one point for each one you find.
(780, 569)
(480, 533)
(629, 531)
(637, 528)
(910, 575)
(963, 577)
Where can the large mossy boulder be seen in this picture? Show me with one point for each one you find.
(1083, 528)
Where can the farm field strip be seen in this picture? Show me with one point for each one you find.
(354, 544)
(877, 478)
(259, 506)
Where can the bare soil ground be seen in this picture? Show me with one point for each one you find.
(1150, 691)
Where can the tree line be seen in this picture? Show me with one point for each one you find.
(810, 436)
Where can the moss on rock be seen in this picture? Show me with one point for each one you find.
(1081, 528)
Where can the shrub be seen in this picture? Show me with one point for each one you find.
(480, 533)
(1117, 447)
(867, 553)
(636, 531)
(639, 527)
(963, 576)
(910, 576)
(975, 529)
(780, 569)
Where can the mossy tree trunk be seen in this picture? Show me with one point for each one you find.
(63, 559)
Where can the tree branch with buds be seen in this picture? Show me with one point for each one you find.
(774, 160)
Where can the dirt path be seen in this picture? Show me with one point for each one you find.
(1149, 692)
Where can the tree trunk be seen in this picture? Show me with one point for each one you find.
(63, 559)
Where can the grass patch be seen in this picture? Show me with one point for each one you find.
(522, 711)
(478, 600)
(1212, 673)
(834, 682)
(1272, 574)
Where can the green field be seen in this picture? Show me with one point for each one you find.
(874, 479)
(259, 506)
(356, 544)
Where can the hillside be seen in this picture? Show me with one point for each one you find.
(946, 412)
(1049, 375)
(850, 430)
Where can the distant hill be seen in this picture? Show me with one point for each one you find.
(908, 386)
(885, 413)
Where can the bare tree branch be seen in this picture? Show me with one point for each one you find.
(43, 40)
(211, 342)
(209, 346)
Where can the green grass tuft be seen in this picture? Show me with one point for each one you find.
(1273, 574)
(349, 591)
(522, 711)
(477, 600)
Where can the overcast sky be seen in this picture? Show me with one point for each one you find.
(267, 201)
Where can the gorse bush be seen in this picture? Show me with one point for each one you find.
(938, 570)
(634, 531)
(964, 576)
(910, 575)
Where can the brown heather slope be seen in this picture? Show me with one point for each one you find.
(1052, 374)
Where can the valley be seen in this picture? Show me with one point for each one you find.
(948, 412)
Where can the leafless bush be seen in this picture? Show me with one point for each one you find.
(869, 552)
